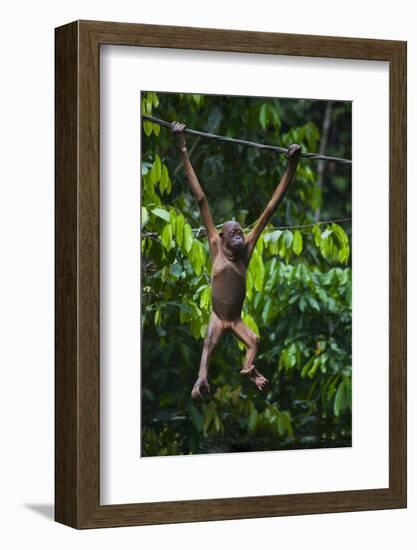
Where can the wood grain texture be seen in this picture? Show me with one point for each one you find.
(66, 236)
(77, 403)
(398, 273)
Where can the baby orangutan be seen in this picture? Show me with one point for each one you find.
(231, 252)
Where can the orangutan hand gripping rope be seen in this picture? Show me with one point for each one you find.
(231, 252)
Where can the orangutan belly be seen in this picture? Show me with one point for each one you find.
(228, 288)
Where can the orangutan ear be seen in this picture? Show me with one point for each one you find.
(221, 234)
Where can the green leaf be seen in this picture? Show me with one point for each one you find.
(147, 127)
(187, 238)
(157, 317)
(274, 235)
(249, 285)
(173, 220)
(161, 213)
(156, 171)
(218, 423)
(145, 216)
(313, 370)
(288, 358)
(196, 327)
(208, 417)
(263, 115)
(196, 257)
(163, 184)
(343, 242)
(313, 302)
(260, 245)
(250, 321)
(297, 243)
(343, 397)
(287, 238)
(348, 393)
(317, 235)
(266, 312)
(326, 233)
(285, 242)
(203, 330)
(166, 237)
(257, 270)
(158, 167)
(179, 229)
(145, 167)
(339, 400)
(273, 239)
(307, 367)
(205, 298)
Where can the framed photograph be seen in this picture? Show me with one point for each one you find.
(230, 274)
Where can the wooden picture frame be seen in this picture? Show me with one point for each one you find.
(77, 374)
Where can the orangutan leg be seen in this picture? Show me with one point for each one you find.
(214, 330)
(251, 340)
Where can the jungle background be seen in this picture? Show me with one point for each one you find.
(298, 283)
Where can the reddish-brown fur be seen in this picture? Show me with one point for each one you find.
(231, 252)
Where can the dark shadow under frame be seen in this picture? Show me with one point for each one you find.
(77, 376)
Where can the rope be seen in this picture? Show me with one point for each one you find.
(311, 156)
(337, 220)
(201, 231)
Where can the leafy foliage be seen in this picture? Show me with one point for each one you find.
(298, 282)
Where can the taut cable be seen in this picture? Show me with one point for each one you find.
(283, 150)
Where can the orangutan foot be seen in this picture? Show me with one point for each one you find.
(199, 386)
(253, 374)
(247, 370)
